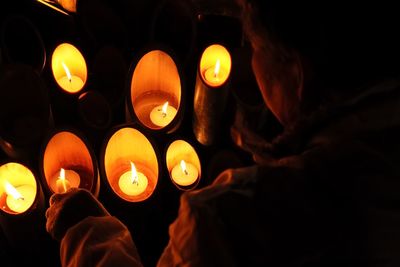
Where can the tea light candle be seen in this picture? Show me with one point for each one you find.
(162, 115)
(21, 198)
(133, 183)
(215, 75)
(64, 180)
(69, 82)
(184, 174)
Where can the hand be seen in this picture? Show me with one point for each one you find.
(70, 208)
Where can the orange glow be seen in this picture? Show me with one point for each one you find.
(69, 68)
(155, 80)
(133, 183)
(10, 190)
(17, 188)
(122, 164)
(215, 65)
(183, 165)
(67, 160)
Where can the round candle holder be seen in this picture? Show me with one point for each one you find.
(69, 68)
(68, 77)
(26, 47)
(25, 114)
(155, 95)
(66, 155)
(124, 146)
(22, 205)
(183, 165)
(211, 93)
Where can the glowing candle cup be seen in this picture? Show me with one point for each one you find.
(162, 115)
(211, 93)
(19, 199)
(133, 182)
(68, 161)
(155, 93)
(183, 165)
(64, 180)
(18, 188)
(184, 174)
(69, 68)
(129, 164)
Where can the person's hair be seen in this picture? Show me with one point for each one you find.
(347, 46)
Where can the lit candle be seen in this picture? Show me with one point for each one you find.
(64, 180)
(21, 198)
(69, 82)
(133, 183)
(162, 115)
(184, 174)
(215, 75)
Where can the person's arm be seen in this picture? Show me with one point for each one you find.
(99, 241)
(197, 236)
(89, 235)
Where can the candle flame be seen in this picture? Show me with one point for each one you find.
(216, 69)
(183, 167)
(62, 174)
(11, 190)
(164, 109)
(135, 179)
(66, 71)
(62, 178)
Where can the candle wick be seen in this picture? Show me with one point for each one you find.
(21, 198)
(186, 172)
(135, 180)
(163, 114)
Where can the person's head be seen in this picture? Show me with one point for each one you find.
(304, 51)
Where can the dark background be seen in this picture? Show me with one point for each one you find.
(127, 28)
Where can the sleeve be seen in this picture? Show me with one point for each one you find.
(99, 241)
(197, 236)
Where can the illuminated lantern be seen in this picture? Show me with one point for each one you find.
(183, 165)
(129, 164)
(211, 93)
(21, 205)
(155, 95)
(68, 161)
(69, 68)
